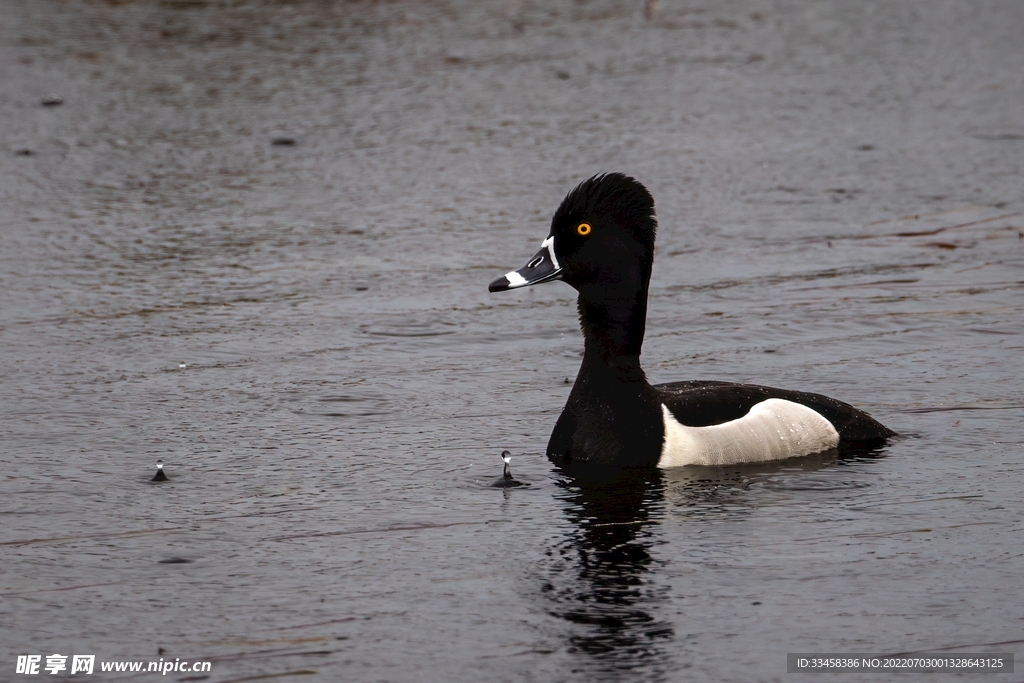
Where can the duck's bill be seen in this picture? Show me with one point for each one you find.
(543, 267)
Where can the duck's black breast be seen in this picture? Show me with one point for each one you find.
(702, 403)
(610, 419)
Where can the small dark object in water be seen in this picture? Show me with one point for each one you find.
(52, 101)
(506, 480)
(159, 476)
(23, 152)
(175, 560)
(283, 140)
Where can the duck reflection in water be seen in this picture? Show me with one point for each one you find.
(600, 578)
(603, 578)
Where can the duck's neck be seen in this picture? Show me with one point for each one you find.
(613, 332)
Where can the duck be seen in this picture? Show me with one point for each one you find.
(601, 243)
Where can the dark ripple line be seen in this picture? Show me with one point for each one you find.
(941, 409)
(54, 590)
(30, 541)
(350, 532)
(956, 647)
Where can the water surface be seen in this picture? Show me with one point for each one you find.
(302, 333)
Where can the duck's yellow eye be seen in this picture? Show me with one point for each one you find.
(583, 229)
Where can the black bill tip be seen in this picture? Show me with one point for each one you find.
(499, 285)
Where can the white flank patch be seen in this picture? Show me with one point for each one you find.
(773, 430)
